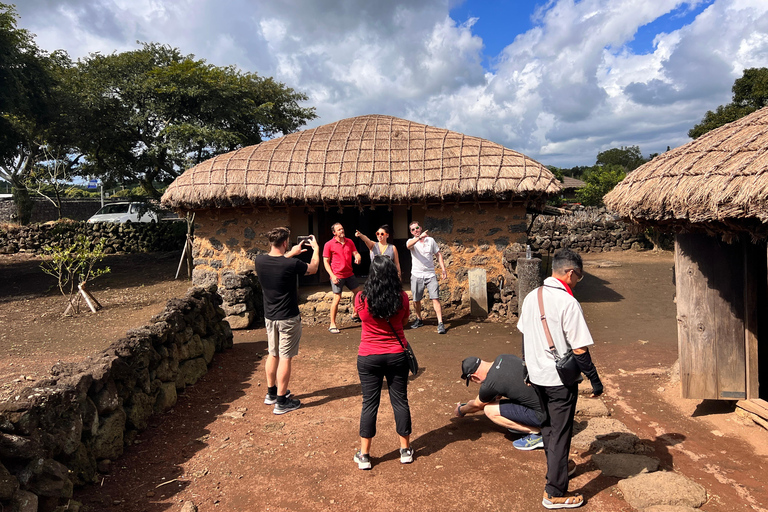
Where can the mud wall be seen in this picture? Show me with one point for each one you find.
(136, 237)
(63, 431)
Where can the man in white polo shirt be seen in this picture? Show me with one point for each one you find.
(569, 330)
(423, 249)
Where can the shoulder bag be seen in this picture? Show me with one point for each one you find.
(413, 364)
(567, 366)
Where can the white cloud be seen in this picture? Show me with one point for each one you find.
(564, 90)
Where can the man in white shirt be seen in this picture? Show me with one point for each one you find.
(423, 248)
(569, 330)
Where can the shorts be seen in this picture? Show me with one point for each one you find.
(350, 282)
(419, 283)
(283, 337)
(518, 413)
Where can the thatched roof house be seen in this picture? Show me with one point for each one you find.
(470, 193)
(717, 183)
(713, 193)
(366, 160)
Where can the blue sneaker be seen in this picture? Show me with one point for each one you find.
(529, 442)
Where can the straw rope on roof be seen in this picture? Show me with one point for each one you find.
(363, 160)
(718, 182)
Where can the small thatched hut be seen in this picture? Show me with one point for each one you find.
(713, 193)
(471, 194)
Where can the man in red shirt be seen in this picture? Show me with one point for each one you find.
(338, 254)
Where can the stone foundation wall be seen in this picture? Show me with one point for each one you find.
(63, 431)
(226, 241)
(136, 237)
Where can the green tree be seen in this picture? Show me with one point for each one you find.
(154, 112)
(628, 157)
(599, 181)
(750, 93)
(26, 84)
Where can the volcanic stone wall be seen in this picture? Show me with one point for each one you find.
(65, 430)
(226, 240)
(135, 237)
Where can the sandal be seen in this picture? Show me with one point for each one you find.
(334, 330)
(569, 500)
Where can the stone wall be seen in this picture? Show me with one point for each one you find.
(44, 211)
(136, 237)
(586, 229)
(226, 240)
(63, 431)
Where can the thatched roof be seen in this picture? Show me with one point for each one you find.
(718, 182)
(363, 160)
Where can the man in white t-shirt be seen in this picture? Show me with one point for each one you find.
(423, 249)
(569, 330)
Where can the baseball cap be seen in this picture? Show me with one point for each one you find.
(468, 367)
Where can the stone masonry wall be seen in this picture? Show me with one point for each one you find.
(65, 430)
(136, 237)
(226, 241)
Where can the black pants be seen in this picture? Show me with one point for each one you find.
(559, 402)
(372, 371)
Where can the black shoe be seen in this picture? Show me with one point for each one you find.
(272, 399)
(287, 406)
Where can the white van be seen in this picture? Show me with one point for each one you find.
(124, 212)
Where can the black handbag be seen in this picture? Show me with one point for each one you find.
(567, 366)
(413, 364)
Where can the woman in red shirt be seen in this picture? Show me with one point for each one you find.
(384, 309)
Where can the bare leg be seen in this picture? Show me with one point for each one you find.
(335, 308)
(283, 375)
(492, 411)
(438, 310)
(271, 368)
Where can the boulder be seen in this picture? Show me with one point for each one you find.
(46, 478)
(662, 488)
(625, 465)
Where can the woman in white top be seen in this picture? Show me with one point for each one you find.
(381, 247)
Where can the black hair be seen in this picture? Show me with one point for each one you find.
(383, 289)
(566, 259)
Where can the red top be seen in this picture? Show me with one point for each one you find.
(340, 256)
(377, 336)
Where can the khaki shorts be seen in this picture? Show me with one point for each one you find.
(283, 337)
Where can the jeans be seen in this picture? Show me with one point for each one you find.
(372, 370)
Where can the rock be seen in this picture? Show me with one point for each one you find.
(605, 435)
(189, 507)
(625, 465)
(24, 501)
(9, 484)
(190, 371)
(669, 508)
(662, 488)
(46, 478)
(591, 408)
(108, 441)
(166, 397)
(241, 321)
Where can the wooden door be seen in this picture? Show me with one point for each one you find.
(710, 277)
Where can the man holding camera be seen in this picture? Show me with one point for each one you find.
(277, 272)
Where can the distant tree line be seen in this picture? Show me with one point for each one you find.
(137, 118)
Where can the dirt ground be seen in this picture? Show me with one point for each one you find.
(223, 449)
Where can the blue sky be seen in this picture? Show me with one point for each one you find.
(558, 80)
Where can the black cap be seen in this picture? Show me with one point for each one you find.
(468, 367)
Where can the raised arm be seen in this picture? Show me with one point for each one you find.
(367, 241)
